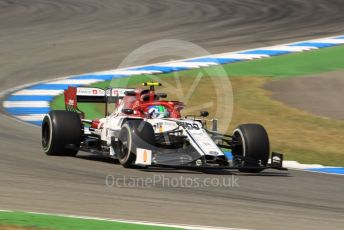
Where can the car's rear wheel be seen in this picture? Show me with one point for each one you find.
(134, 134)
(251, 143)
(61, 133)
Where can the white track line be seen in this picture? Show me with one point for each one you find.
(127, 72)
(297, 165)
(239, 56)
(189, 64)
(26, 104)
(31, 117)
(290, 48)
(329, 40)
(75, 81)
(146, 223)
(38, 92)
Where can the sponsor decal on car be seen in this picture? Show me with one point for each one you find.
(143, 157)
(203, 140)
(90, 92)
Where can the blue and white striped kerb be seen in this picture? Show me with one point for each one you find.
(314, 167)
(31, 103)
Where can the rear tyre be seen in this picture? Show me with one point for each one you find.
(134, 134)
(252, 143)
(61, 133)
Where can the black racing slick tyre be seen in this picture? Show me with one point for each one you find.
(61, 133)
(251, 142)
(134, 134)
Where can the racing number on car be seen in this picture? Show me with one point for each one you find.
(189, 126)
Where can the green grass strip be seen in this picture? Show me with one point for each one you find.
(43, 221)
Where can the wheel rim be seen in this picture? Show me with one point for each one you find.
(124, 145)
(237, 144)
(45, 135)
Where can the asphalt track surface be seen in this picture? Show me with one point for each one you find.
(47, 39)
(319, 94)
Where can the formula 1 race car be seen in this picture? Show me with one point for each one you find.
(146, 130)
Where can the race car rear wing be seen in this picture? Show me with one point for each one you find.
(73, 95)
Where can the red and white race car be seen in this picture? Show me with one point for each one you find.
(146, 130)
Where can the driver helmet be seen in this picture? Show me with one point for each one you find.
(158, 111)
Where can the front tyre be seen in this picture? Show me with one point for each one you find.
(134, 134)
(251, 142)
(61, 133)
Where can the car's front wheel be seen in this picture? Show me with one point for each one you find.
(251, 142)
(134, 134)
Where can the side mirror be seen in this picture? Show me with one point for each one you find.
(204, 113)
(130, 93)
(162, 95)
(128, 111)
